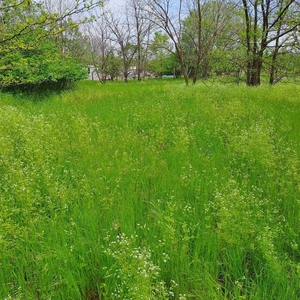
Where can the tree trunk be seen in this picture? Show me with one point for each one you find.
(139, 58)
(197, 65)
(186, 77)
(272, 74)
(254, 71)
(184, 71)
(126, 77)
(273, 70)
(195, 77)
(179, 53)
(199, 39)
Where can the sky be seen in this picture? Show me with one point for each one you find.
(116, 3)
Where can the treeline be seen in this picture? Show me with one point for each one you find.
(54, 42)
(196, 39)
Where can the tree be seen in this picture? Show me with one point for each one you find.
(11, 26)
(169, 18)
(114, 65)
(75, 9)
(282, 46)
(68, 15)
(122, 35)
(101, 49)
(161, 57)
(39, 65)
(193, 36)
(141, 25)
(203, 30)
(267, 23)
(29, 54)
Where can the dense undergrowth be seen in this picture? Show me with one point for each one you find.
(151, 190)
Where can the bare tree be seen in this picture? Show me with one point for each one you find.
(141, 25)
(71, 8)
(123, 36)
(267, 22)
(205, 23)
(169, 18)
(282, 44)
(68, 14)
(101, 46)
(193, 35)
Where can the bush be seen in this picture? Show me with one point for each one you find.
(34, 67)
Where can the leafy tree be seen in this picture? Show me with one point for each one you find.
(159, 54)
(36, 65)
(114, 65)
(29, 53)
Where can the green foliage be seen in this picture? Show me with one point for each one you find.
(224, 62)
(286, 65)
(113, 66)
(163, 61)
(41, 64)
(150, 190)
(166, 64)
(29, 56)
(210, 34)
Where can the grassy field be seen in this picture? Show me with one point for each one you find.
(151, 190)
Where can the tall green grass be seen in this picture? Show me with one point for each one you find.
(150, 191)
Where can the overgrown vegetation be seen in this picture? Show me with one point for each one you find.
(33, 45)
(155, 192)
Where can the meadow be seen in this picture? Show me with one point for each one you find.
(150, 190)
